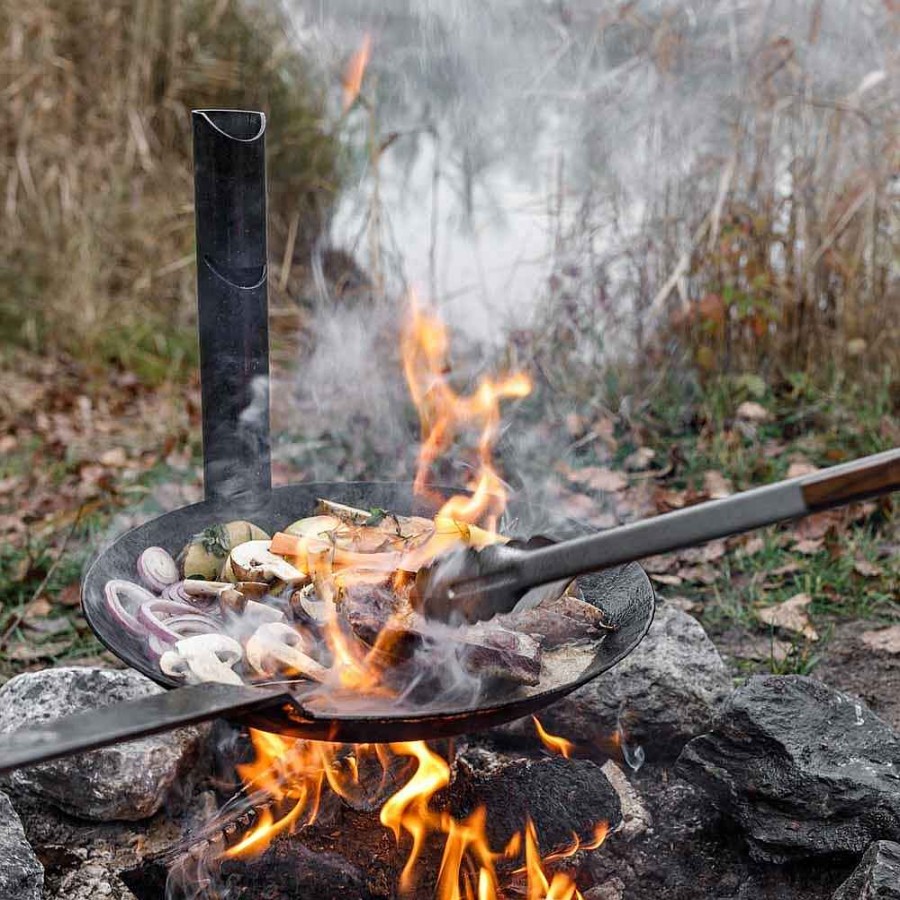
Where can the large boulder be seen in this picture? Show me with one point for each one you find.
(128, 781)
(21, 875)
(877, 877)
(663, 694)
(805, 770)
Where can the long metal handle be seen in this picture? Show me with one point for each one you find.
(126, 721)
(751, 509)
(230, 207)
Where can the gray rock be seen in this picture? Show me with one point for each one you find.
(561, 796)
(129, 781)
(805, 771)
(21, 875)
(662, 695)
(877, 877)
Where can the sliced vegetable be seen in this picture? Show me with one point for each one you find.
(123, 601)
(253, 561)
(276, 647)
(204, 657)
(170, 620)
(157, 569)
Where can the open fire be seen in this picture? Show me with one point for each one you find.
(294, 775)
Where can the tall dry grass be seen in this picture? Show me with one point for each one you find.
(775, 251)
(96, 242)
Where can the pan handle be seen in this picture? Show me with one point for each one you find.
(135, 719)
(232, 301)
(868, 477)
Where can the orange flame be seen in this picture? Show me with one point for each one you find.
(444, 414)
(553, 743)
(355, 71)
(297, 772)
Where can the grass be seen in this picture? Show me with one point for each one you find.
(95, 156)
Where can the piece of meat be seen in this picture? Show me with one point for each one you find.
(492, 651)
(383, 620)
(561, 620)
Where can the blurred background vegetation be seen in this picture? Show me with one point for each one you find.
(96, 248)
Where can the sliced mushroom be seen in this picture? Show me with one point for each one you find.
(306, 604)
(205, 555)
(275, 647)
(204, 657)
(253, 561)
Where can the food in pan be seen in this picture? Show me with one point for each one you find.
(329, 594)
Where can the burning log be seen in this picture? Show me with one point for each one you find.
(564, 798)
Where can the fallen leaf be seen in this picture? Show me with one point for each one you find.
(47, 626)
(599, 479)
(115, 457)
(640, 459)
(752, 546)
(708, 553)
(866, 569)
(751, 411)
(38, 607)
(886, 640)
(801, 467)
(670, 499)
(672, 580)
(717, 485)
(761, 649)
(658, 565)
(787, 569)
(683, 604)
(70, 595)
(699, 574)
(791, 615)
(809, 547)
(32, 652)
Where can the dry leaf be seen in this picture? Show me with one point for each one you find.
(717, 485)
(886, 640)
(700, 574)
(38, 607)
(809, 547)
(801, 467)
(761, 649)
(599, 479)
(70, 595)
(658, 565)
(752, 546)
(791, 615)
(751, 411)
(115, 457)
(672, 580)
(787, 569)
(867, 569)
(32, 652)
(46, 626)
(640, 459)
(683, 604)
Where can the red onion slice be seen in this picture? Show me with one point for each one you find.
(157, 569)
(124, 601)
(157, 616)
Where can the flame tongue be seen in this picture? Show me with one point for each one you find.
(446, 415)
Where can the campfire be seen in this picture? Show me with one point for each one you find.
(356, 558)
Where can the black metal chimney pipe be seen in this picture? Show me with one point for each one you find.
(230, 208)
